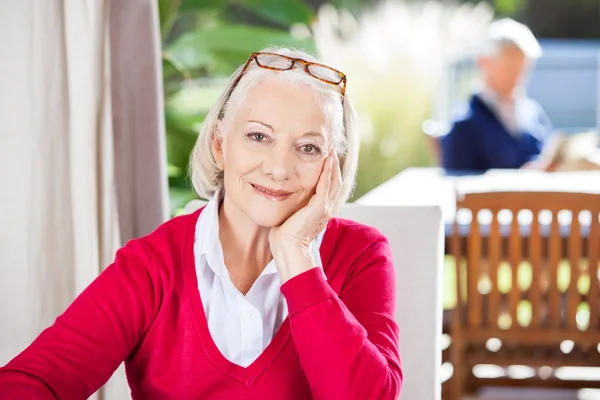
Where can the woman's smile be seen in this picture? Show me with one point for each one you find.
(271, 194)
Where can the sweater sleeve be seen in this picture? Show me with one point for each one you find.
(76, 355)
(348, 344)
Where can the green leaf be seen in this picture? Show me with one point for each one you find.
(181, 138)
(193, 5)
(174, 171)
(282, 12)
(179, 197)
(220, 49)
(510, 7)
(193, 101)
(169, 61)
(167, 12)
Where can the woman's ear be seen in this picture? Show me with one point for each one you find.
(217, 146)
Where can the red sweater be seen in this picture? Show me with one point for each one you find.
(340, 340)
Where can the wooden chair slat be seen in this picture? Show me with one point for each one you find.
(593, 251)
(474, 273)
(572, 294)
(494, 250)
(515, 256)
(458, 255)
(555, 255)
(535, 259)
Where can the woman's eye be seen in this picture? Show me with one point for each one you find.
(259, 137)
(309, 149)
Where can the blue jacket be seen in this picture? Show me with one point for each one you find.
(478, 141)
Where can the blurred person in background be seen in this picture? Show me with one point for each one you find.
(258, 295)
(501, 127)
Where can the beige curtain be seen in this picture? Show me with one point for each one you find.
(138, 118)
(60, 127)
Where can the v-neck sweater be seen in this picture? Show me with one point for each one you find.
(339, 341)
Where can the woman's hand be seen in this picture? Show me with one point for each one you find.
(291, 240)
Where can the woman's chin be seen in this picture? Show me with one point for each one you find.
(269, 220)
(271, 215)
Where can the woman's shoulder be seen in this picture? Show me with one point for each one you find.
(176, 229)
(349, 227)
(354, 235)
(350, 247)
(169, 242)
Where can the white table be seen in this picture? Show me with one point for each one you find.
(433, 186)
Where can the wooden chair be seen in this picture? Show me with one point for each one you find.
(488, 253)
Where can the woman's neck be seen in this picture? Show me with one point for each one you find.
(245, 245)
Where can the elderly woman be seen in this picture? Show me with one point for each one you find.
(260, 294)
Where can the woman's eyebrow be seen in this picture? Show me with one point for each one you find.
(262, 123)
(315, 133)
(306, 134)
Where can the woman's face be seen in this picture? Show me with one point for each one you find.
(272, 152)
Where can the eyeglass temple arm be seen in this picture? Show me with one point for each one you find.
(237, 81)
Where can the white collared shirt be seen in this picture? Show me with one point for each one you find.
(241, 326)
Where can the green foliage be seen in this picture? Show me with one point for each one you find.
(509, 7)
(394, 143)
(218, 50)
(167, 12)
(202, 5)
(283, 13)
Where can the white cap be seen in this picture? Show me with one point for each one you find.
(510, 32)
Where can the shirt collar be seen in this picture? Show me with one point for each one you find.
(207, 241)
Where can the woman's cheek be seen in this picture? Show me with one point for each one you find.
(309, 176)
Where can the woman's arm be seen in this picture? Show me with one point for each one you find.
(100, 329)
(348, 344)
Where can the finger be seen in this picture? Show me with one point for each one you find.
(313, 200)
(336, 180)
(324, 184)
(333, 188)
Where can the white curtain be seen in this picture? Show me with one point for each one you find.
(58, 215)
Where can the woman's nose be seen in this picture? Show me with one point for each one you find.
(278, 164)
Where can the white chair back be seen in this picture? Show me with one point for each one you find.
(194, 205)
(416, 237)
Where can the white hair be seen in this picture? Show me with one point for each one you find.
(508, 32)
(340, 115)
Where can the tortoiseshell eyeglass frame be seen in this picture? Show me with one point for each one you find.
(307, 64)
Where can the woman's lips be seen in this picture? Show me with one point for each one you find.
(271, 194)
